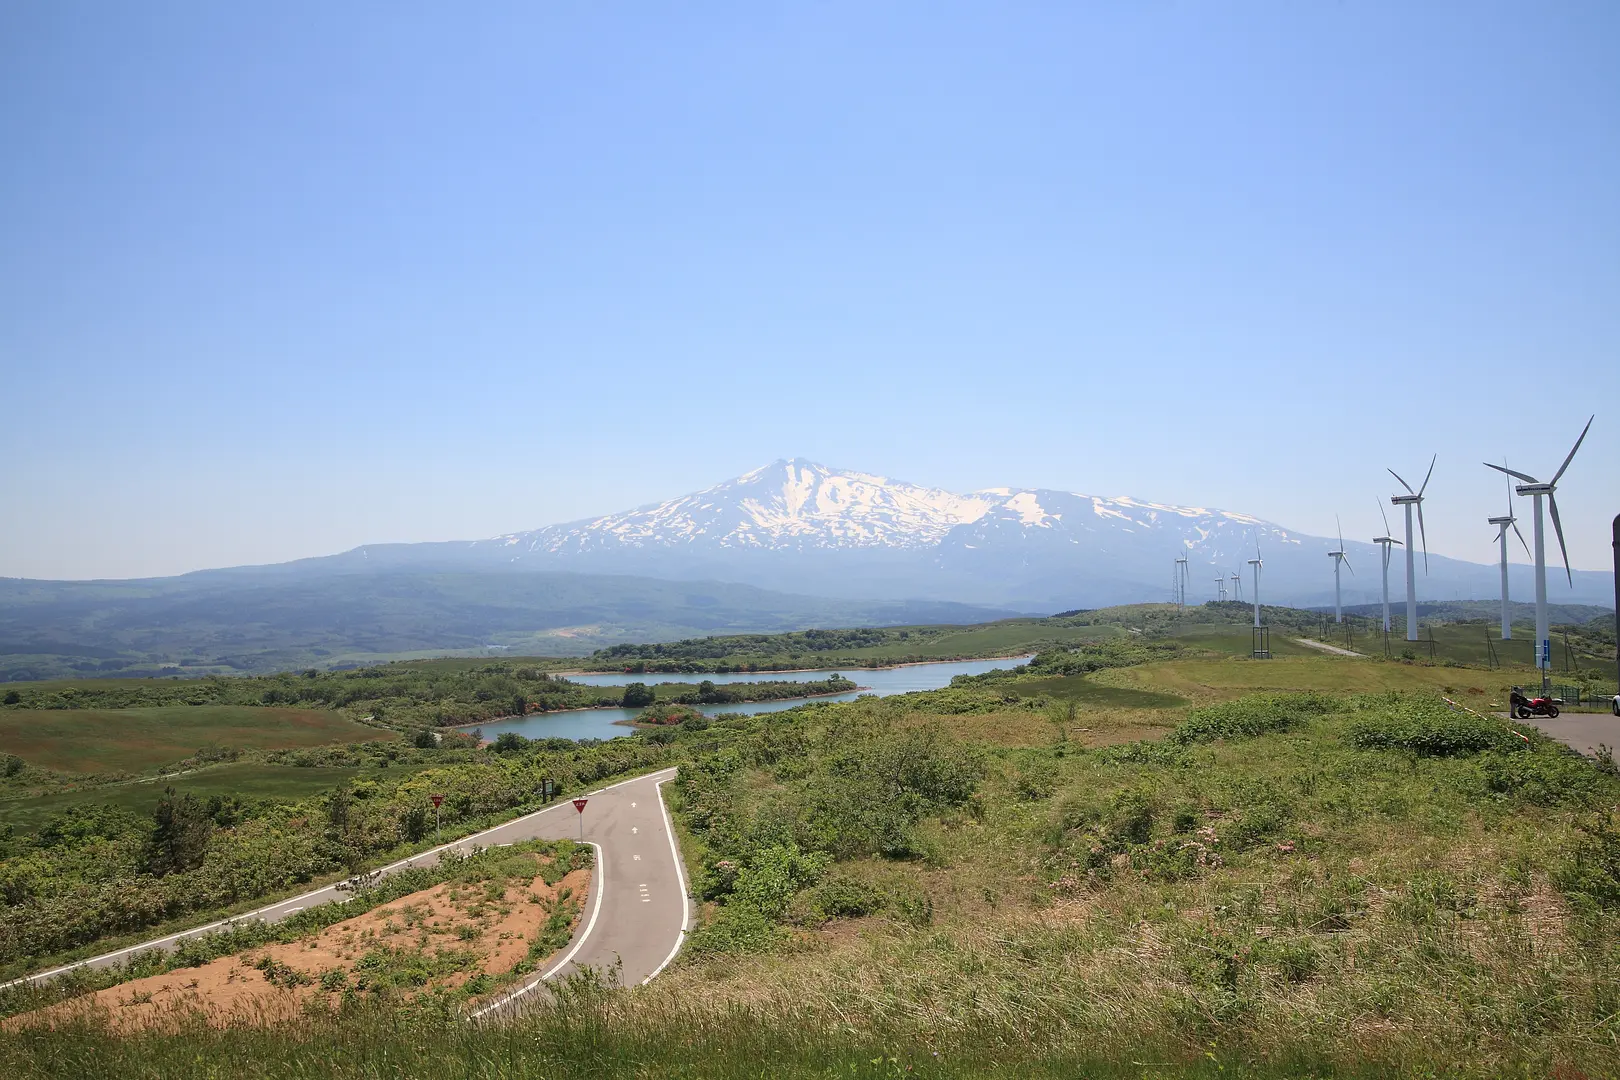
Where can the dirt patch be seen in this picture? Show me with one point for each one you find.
(471, 939)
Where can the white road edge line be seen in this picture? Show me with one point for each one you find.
(596, 909)
(680, 878)
(195, 931)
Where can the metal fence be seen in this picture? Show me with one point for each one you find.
(1596, 694)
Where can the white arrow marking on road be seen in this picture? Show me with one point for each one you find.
(632, 806)
(634, 829)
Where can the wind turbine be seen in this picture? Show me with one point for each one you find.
(1256, 563)
(1502, 524)
(1260, 635)
(1536, 489)
(1409, 500)
(1237, 586)
(1220, 588)
(1384, 542)
(1181, 580)
(1340, 559)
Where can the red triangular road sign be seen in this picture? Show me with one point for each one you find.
(579, 804)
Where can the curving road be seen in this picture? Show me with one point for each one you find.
(638, 911)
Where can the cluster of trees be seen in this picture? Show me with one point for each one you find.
(753, 652)
(403, 696)
(640, 695)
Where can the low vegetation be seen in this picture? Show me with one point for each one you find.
(1142, 854)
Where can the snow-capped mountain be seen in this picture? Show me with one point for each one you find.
(796, 504)
(804, 527)
(789, 505)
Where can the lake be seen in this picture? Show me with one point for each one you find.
(602, 723)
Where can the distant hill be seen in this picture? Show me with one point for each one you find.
(254, 622)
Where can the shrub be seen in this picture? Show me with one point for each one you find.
(1547, 777)
(508, 742)
(1035, 778)
(1590, 874)
(1254, 714)
(841, 897)
(1430, 728)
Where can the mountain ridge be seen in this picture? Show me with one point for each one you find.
(848, 533)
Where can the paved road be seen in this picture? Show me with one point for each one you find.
(637, 912)
(1582, 732)
(1325, 647)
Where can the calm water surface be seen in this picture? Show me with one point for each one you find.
(601, 723)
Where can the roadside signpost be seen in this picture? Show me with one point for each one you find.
(437, 801)
(579, 804)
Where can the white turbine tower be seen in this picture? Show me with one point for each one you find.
(1502, 524)
(1257, 564)
(1339, 559)
(1220, 588)
(1262, 636)
(1181, 580)
(1237, 587)
(1384, 542)
(1409, 500)
(1536, 489)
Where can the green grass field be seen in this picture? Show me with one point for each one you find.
(247, 781)
(1238, 640)
(133, 740)
(1085, 691)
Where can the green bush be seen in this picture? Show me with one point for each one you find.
(1590, 874)
(842, 897)
(1254, 714)
(1430, 728)
(1548, 776)
(1035, 778)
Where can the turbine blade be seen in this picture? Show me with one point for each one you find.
(1552, 504)
(1340, 526)
(1425, 486)
(1508, 480)
(1511, 472)
(1520, 535)
(1348, 567)
(1384, 516)
(1404, 484)
(1422, 532)
(1577, 446)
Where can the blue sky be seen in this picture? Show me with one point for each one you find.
(278, 280)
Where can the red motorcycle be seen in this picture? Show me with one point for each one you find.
(1526, 707)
